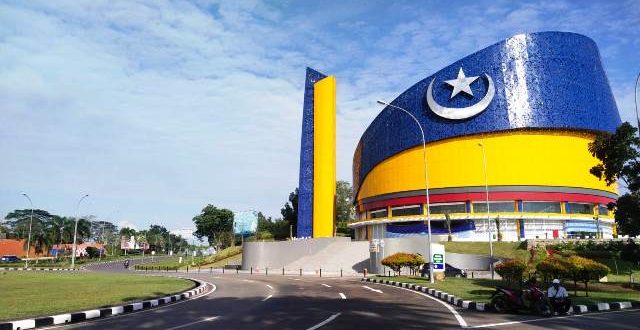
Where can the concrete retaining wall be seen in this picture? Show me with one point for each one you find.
(331, 254)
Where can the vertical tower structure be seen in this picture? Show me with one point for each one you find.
(317, 186)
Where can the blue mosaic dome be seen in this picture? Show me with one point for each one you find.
(546, 80)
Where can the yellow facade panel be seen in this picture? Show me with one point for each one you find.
(539, 158)
(324, 157)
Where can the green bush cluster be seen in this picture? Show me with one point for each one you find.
(401, 259)
(511, 270)
(574, 268)
(627, 251)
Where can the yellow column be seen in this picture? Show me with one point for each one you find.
(324, 156)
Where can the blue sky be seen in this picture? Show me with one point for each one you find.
(157, 108)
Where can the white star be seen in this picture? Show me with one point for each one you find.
(461, 84)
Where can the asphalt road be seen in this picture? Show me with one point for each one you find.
(292, 302)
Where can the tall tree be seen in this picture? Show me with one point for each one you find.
(345, 211)
(216, 224)
(620, 161)
(290, 210)
(18, 221)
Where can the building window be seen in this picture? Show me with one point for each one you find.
(480, 207)
(579, 208)
(542, 207)
(448, 208)
(406, 210)
(381, 213)
(603, 210)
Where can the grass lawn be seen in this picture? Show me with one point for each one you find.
(26, 294)
(231, 254)
(64, 262)
(500, 249)
(481, 289)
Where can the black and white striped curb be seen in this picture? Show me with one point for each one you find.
(40, 269)
(468, 304)
(485, 307)
(200, 288)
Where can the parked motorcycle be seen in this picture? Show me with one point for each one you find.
(531, 299)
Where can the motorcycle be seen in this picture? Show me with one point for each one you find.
(531, 299)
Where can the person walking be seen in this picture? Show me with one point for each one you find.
(559, 298)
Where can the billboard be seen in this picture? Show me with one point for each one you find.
(245, 222)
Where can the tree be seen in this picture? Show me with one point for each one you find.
(511, 270)
(345, 212)
(290, 210)
(402, 259)
(216, 224)
(585, 270)
(447, 222)
(18, 222)
(619, 158)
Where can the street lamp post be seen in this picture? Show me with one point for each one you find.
(26, 260)
(635, 99)
(75, 232)
(486, 190)
(426, 181)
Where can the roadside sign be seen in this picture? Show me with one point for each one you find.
(373, 246)
(437, 255)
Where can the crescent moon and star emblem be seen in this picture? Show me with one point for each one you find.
(461, 84)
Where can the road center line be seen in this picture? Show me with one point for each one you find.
(327, 285)
(195, 322)
(331, 318)
(269, 296)
(342, 295)
(269, 286)
(459, 318)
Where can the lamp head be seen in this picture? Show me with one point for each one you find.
(382, 102)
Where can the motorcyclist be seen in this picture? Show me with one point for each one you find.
(559, 298)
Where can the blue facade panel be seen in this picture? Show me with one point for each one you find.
(305, 185)
(547, 80)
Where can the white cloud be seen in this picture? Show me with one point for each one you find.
(158, 108)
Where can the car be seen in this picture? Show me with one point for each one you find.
(449, 271)
(9, 259)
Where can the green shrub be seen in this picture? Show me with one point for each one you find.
(511, 270)
(585, 270)
(401, 259)
(553, 267)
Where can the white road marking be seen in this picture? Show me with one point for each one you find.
(195, 322)
(327, 285)
(552, 318)
(342, 295)
(269, 296)
(331, 318)
(249, 281)
(459, 318)
(296, 279)
(214, 288)
(372, 289)
(269, 286)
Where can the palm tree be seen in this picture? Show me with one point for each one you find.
(447, 220)
(41, 241)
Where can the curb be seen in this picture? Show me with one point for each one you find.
(103, 312)
(486, 307)
(40, 269)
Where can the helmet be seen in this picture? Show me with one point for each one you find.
(556, 281)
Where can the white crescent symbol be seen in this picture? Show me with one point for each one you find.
(461, 113)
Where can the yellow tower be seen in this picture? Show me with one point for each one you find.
(324, 157)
